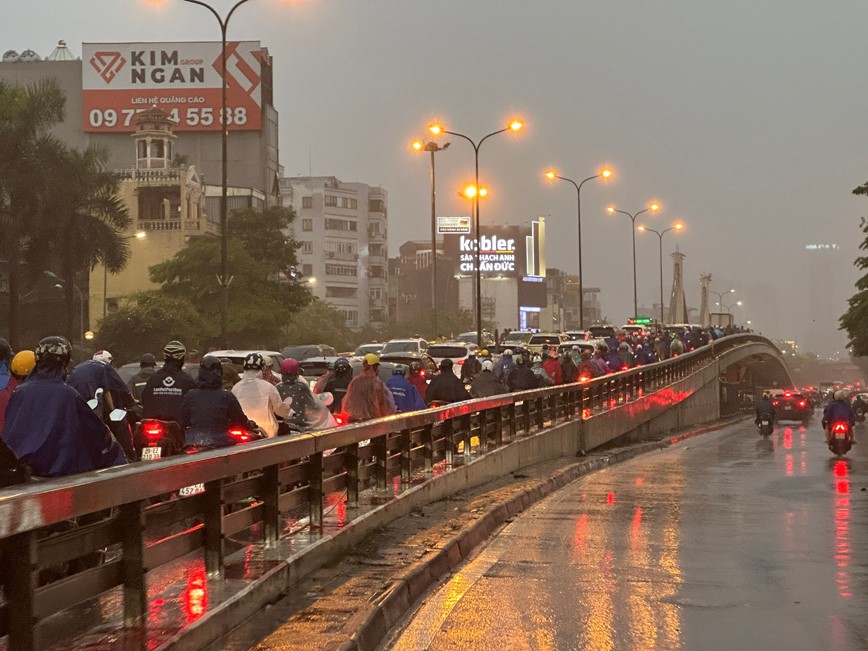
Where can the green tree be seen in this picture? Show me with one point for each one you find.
(855, 319)
(319, 323)
(262, 301)
(146, 321)
(27, 114)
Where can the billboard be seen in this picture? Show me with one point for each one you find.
(449, 225)
(505, 251)
(121, 79)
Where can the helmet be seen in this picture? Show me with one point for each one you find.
(471, 353)
(487, 365)
(147, 360)
(543, 355)
(54, 349)
(289, 366)
(483, 352)
(520, 360)
(508, 351)
(253, 362)
(445, 364)
(23, 363)
(399, 369)
(415, 368)
(766, 394)
(536, 359)
(174, 350)
(342, 365)
(840, 395)
(102, 356)
(5, 348)
(371, 359)
(211, 363)
(267, 361)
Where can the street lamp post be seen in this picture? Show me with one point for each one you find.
(660, 234)
(653, 208)
(224, 279)
(551, 175)
(139, 235)
(437, 129)
(59, 284)
(432, 147)
(729, 307)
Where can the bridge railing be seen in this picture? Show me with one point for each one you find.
(136, 510)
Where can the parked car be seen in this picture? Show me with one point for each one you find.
(308, 350)
(457, 351)
(412, 345)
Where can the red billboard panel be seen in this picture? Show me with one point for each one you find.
(184, 79)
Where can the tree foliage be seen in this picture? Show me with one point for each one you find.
(319, 323)
(855, 319)
(146, 321)
(261, 299)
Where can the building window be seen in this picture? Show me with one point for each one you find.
(348, 248)
(376, 272)
(307, 270)
(331, 200)
(307, 202)
(341, 292)
(347, 202)
(307, 224)
(378, 250)
(376, 293)
(340, 270)
(350, 316)
(307, 247)
(376, 205)
(332, 224)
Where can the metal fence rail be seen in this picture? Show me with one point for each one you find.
(255, 484)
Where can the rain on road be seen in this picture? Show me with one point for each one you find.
(724, 541)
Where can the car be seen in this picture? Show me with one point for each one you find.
(603, 331)
(127, 371)
(364, 349)
(541, 340)
(308, 350)
(470, 338)
(633, 329)
(411, 345)
(584, 346)
(406, 358)
(238, 356)
(457, 351)
(790, 405)
(577, 335)
(313, 368)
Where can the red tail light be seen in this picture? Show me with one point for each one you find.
(775, 403)
(788, 395)
(584, 378)
(460, 362)
(153, 431)
(839, 427)
(802, 403)
(240, 435)
(340, 419)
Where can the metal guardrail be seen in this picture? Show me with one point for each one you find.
(256, 483)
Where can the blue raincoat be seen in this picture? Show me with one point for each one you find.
(51, 429)
(406, 396)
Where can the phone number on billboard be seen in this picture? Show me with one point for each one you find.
(188, 117)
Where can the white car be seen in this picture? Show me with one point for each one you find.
(412, 345)
(457, 351)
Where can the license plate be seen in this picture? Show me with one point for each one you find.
(788, 408)
(195, 489)
(840, 435)
(766, 423)
(149, 454)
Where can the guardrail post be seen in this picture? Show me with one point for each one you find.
(213, 518)
(483, 431)
(498, 426)
(525, 413)
(428, 443)
(448, 435)
(513, 421)
(315, 496)
(351, 464)
(19, 566)
(132, 519)
(467, 433)
(539, 403)
(406, 444)
(271, 505)
(381, 457)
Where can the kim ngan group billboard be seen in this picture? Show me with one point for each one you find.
(184, 79)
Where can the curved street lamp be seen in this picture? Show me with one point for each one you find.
(677, 227)
(432, 147)
(729, 307)
(720, 295)
(605, 174)
(437, 129)
(224, 279)
(653, 208)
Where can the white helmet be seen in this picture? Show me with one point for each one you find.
(102, 356)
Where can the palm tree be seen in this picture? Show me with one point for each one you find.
(87, 219)
(27, 113)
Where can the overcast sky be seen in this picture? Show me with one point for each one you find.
(746, 119)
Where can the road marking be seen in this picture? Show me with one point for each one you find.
(425, 625)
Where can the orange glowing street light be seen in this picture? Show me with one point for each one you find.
(437, 129)
(653, 208)
(677, 228)
(604, 173)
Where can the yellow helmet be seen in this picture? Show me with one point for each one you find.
(23, 363)
(483, 352)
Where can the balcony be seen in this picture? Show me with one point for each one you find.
(338, 255)
(200, 226)
(151, 177)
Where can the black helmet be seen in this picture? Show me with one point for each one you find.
(211, 363)
(174, 350)
(415, 368)
(399, 369)
(342, 366)
(54, 350)
(147, 360)
(5, 349)
(445, 364)
(254, 362)
(521, 360)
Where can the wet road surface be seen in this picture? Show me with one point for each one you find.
(724, 541)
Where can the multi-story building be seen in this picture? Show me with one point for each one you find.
(341, 229)
(410, 282)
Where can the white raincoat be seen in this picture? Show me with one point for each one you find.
(261, 401)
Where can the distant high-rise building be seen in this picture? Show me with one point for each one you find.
(825, 300)
(678, 301)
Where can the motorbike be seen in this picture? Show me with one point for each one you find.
(839, 436)
(765, 426)
(240, 435)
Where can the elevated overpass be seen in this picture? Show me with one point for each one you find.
(181, 571)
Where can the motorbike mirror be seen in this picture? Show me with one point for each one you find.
(117, 415)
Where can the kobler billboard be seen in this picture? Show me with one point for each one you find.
(184, 79)
(508, 251)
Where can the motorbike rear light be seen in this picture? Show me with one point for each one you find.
(775, 403)
(788, 395)
(802, 403)
(839, 427)
(240, 435)
(340, 419)
(153, 430)
(584, 378)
